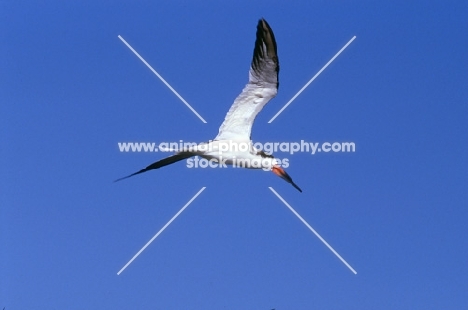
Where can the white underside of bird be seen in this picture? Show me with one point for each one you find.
(233, 144)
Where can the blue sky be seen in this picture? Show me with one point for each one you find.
(395, 209)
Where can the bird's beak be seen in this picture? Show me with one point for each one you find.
(282, 174)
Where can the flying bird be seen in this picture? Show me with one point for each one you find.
(233, 144)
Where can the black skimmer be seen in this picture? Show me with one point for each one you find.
(233, 145)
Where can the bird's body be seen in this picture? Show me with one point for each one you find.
(233, 144)
(240, 153)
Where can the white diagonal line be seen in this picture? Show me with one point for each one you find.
(311, 80)
(313, 230)
(161, 230)
(163, 80)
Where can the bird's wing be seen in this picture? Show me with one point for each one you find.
(161, 163)
(262, 86)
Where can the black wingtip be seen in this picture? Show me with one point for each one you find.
(161, 163)
(122, 178)
(131, 175)
(265, 37)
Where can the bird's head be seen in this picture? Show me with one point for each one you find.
(276, 169)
